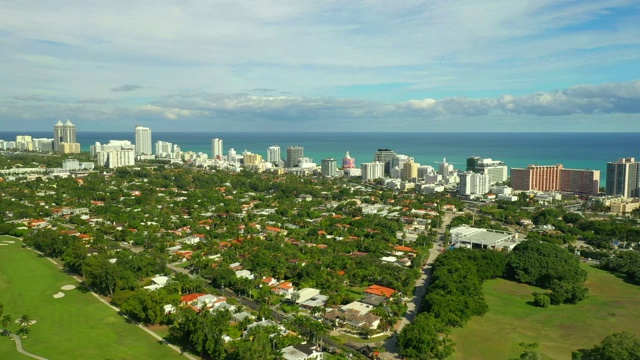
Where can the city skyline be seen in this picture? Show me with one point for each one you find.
(492, 66)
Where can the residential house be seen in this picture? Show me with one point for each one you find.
(285, 288)
(302, 352)
(380, 291)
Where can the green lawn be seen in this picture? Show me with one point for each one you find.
(612, 306)
(76, 326)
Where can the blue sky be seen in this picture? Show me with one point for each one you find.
(493, 65)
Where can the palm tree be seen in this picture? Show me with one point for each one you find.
(24, 331)
(24, 320)
(5, 321)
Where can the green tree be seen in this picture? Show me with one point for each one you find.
(541, 300)
(617, 346)
(425, 338)
(530, 352)
(548, 266)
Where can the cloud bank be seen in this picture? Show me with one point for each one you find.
(258, 111)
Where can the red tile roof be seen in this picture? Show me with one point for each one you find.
(190, 297)
(404, 248)
(379, 290)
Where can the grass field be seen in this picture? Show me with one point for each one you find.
(76, 326)
(612, 306)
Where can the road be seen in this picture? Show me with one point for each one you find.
(422, 283)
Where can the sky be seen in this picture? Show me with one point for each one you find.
(266, 65)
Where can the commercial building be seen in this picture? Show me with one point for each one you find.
(409, 170)
(373, 170)
(217, 149)
(384, 156)
(496, 169)
(556, 178)
(69, 148)
(623, 178)
(348, 162)
(249, 158)
(63, 133)
(143, 140)
(466, 236)
(621, 206)
(294, 153)
(577, 181)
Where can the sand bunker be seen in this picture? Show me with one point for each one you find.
(9, 241)
(58, 295)
(30, 322)
(68, 287)
(3, 244)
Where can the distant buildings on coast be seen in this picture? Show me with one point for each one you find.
(397, 171)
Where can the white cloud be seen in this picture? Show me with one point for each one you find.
(453, 58)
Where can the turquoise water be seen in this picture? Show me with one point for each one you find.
(573, 150)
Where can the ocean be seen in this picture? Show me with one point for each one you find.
(572, 150)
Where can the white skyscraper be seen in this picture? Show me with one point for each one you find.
(114, 154)
(231, 155)
(143, 140)
(273, 154)
(473, 183)
(373, 170)
(217, 151)
(163, 147)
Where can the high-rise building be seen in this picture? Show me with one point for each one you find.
(473, 183)
(445, 168)
(114, 154)
(163, 147)
(43, 144)
(231, 156)
(384, 156)
(472, 163)
(69, 148)
(329, 167)
(63, 133)
(373, 170)
(555, 178)
(24, 142)
(294, 153)
(273, 154)
(409, 170)
(217, 151)
(536, 177)
(580, 181)
(496, 169)
(143, 140)
(623, 178)
(398, 161)
(348, 162)
(249, 158)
